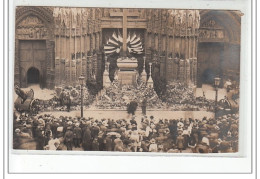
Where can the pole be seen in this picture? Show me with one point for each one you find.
(216, 101)
(81, 100)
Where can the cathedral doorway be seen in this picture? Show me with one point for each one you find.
(210, 57)
(33, 76)
(33, 56)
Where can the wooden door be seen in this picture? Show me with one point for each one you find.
(32, 53)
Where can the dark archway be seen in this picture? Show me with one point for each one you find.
(218, 45)
(33, 76)
(208, 76)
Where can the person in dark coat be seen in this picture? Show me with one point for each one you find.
(40, 138)
(108, 143)
(143, 105)
(68, 138)
(68, 102)
(77, 135)
(54, 127)
(95, 145)
(180, 141)
(132, 106)
(87, 139)
(133, 121)
(62, 97)
(101, 139)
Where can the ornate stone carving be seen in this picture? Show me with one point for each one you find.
(31, 28)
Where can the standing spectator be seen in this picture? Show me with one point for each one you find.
(77, 135)
(108, 143)
(86, 139)
(95, 145)
(118, 144)
(94, 130)
(68, 138)
(40, 138)
(180, 141)
(143, 106)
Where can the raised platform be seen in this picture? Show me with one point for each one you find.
(127, 70)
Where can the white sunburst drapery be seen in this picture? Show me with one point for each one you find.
(115, 42)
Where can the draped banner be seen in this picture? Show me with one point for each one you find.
(113, 42)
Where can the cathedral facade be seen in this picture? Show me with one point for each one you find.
(55, 46)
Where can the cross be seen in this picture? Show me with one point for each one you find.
(124, 14)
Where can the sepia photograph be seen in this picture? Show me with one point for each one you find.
(126, 80)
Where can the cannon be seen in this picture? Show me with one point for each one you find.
(25, 101)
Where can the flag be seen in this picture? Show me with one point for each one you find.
(115, 42)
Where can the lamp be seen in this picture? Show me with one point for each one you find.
(216, 83)
(81, 81)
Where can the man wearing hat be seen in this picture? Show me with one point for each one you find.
(94, 130)
(86, 139)
(68, 138)
(133, 121)
(108, 143)
(77, 135)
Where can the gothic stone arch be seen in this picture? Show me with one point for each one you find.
(34, 44)
(219, 44)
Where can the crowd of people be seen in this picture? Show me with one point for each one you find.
(137, 134)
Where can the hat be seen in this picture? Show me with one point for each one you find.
(152, 141)
(224, 145)
(118, 135)
(77, 124)
(17, 130)
(160, 146)
(202, 149)
(104, 123)
(180, 124)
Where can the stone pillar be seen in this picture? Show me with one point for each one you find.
(73, 72)
(106, 80)
(150, 80)
(84, 67)
(181, 70)
(194, 74)
(144, 74)
(187, 71)
(175, 68)
(17, 65)
(67, 71)
(50, 64)
(99, 66)
(57, 71)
